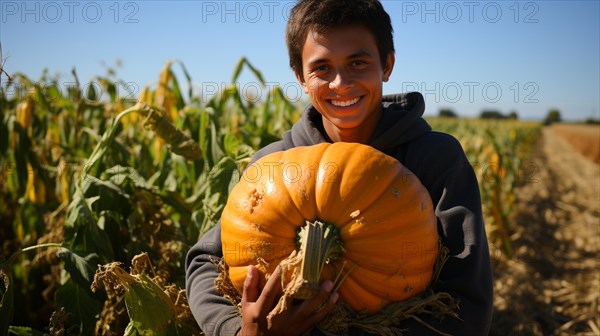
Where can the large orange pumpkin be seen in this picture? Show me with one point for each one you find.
(384, 215)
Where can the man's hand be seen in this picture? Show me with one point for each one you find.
(295, 320)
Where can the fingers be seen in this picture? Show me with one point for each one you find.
(271, 290)
(321, 305)
(313, 304)
(250, 292)
(257, 305)
(323, 311)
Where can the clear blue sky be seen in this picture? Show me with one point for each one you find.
(526, 56)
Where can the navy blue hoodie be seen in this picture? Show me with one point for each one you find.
(439, 162)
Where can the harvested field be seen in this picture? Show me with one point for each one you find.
(583, 138)
(552, 285)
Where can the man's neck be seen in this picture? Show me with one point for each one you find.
(353, 135)
(360, 134)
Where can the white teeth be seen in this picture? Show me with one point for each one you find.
(344, 103)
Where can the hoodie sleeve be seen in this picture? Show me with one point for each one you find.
(467, 273)
(215, 315)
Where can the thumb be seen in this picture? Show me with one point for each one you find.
(250, 292)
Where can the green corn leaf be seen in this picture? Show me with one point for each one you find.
(215, 147)
(81, 266)
(131, 330)
(221, 175)
(63, 126)
(212, 206)
(4, 133)
(100, 239)
(109, 87)
(238, 69)
(139, 298)
(93, 186)
(159, 178)
(31, 217)
(244, 152)
(100, 149)
(231, 145)
(22, 147)
(82, 307)
(188, 79)
(47, 95)
(202, 130)
(263, 121)
(81, 227)
(288, 105)
(24, 331)
(119, 175)
(256, 73)
(235, 149)
(240, 102)
(179, 102)
(176, 201)
(201, 223)
(170, 184)
(75, 211)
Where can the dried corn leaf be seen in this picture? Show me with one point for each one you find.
(178, 141)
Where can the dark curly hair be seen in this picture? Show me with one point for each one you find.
(320, 15)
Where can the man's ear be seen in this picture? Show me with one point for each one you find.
(301, 81)
(389, 66)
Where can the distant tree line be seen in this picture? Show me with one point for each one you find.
(485, 114)
(495, 114)
(448, 113)
(553, 116)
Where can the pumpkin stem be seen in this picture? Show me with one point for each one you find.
(320, 244)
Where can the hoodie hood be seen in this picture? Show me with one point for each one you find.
(400, 122)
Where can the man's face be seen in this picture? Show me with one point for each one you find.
(343, 75)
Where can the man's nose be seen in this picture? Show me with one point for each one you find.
(341, 81)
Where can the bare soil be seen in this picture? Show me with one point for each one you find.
(551, 286)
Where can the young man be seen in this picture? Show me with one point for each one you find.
(341, 52)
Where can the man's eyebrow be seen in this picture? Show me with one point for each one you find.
(359, 54)
(317, 61)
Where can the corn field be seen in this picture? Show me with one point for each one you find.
(498, 151)
(90, 178)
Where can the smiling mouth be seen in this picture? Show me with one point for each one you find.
(344, 103)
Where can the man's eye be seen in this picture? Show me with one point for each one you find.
(359, 63)
(321, 68)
